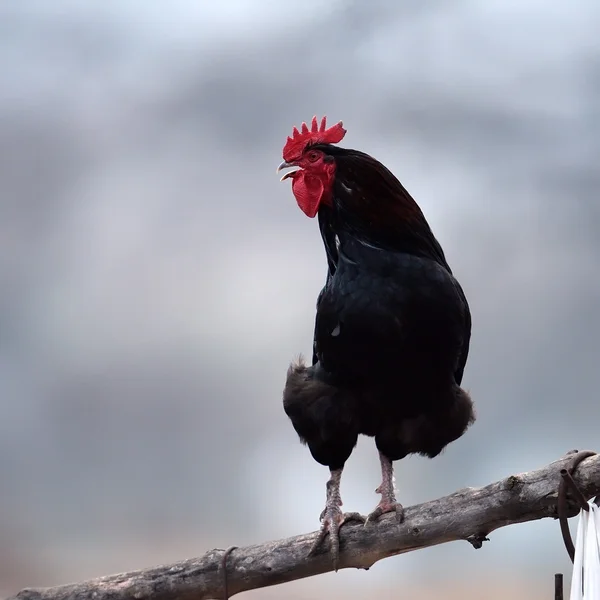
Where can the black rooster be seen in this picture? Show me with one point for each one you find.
(392, 328)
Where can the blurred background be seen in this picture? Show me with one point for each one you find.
(156, 278)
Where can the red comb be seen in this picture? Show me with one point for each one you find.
(296, 144)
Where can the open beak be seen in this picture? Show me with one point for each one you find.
(286, 165)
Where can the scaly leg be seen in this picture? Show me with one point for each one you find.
(388, 501)
(332, 519)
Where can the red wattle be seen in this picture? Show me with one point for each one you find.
(308, 191)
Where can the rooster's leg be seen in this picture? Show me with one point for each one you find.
(388, 501)
(333, 518)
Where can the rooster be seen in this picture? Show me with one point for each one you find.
(392, 329)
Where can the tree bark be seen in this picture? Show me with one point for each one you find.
(469, 514)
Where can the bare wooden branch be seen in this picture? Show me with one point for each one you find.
(469, 514)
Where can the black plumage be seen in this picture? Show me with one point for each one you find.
(391, 337)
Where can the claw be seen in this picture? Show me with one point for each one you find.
(332, 521)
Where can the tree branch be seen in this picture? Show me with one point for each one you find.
(469, 514)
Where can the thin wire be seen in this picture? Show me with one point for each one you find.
(224, 569)
(568, 481)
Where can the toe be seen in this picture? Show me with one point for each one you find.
(334, 544)
(319, 539)
(383, 508)
(374, 515)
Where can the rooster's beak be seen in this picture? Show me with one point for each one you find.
(285, 165)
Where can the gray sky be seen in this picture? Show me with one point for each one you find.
(157, 278)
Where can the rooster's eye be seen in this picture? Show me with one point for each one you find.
(312, 156)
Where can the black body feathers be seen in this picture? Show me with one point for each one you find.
(392, 329)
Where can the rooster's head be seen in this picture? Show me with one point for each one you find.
(312, 179)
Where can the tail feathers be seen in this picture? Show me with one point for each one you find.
(323, 415)
(430, 433)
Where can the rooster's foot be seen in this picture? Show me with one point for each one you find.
(332, 521)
